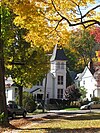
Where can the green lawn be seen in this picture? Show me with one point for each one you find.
(70, 109)
(88, 123)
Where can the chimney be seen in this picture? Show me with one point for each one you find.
(91, 66)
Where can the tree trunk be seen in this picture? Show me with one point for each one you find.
(3, 107)
(20, 95)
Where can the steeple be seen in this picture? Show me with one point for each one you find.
(58, 54)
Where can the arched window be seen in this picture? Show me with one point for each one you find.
(62, 65)
(58, 65)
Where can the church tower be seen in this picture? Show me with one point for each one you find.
(58, 69)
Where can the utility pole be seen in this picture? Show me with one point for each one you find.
(45, 94)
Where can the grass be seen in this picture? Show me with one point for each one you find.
(37, 111)
(70, 109)
(62, 123)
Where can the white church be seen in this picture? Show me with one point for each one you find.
(54, 84)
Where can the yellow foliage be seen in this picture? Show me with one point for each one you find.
(42, 19)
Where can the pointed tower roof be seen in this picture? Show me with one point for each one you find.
(58, 54)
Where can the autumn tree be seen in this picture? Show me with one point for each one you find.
(25, 64)
(73, 63)
(3, 32)
(49, 21)
(84, 45)
(96, 33)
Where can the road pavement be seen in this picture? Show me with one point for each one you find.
(64, 112)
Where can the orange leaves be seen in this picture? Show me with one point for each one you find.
(96, 33)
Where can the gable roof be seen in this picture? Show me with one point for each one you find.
(80, 75)
(8, 82)
(96, 74)
(58, 54)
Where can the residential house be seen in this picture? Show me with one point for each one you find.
(10, 90)
(90, 80)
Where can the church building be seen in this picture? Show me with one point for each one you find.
(54, 84)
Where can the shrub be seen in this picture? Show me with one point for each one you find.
(29, 102)
(95, 99)
(1, 117)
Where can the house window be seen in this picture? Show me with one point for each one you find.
(39, 83)
(47, 95)
(84, 82)
(60, 80)
(60, 93)
(78, 83)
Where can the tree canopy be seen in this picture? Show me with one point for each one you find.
(48, 21)
(24, 63)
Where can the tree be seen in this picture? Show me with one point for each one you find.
(26, 66)
(83, 44)
(72, 93)
(73, 63)
(28, 102)
(96, 33)
(2, 87)
(83, 92)
(49, 21)
(3, 108)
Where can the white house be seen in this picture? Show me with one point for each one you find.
(90, 81)
(54, 84)
(10, 89)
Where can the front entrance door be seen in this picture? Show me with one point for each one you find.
(39, 96)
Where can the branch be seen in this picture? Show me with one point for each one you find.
(90, 11)
(56, 26)
(59, 13)
(79, 23)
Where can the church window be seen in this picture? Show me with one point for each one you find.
(58, 65)
(60, 93)
(60, 80)
(62, 65)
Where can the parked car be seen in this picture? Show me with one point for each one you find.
(15, 110)
(91, 105)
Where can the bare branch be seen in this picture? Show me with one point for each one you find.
(90, 11)
(82, 16)
(58, 23)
